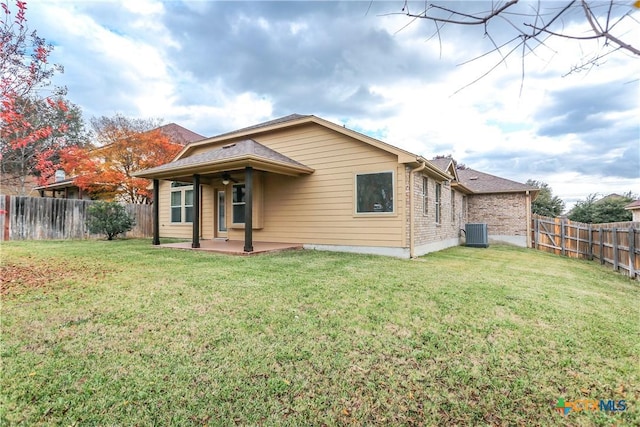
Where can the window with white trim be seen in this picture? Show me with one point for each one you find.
(238, 203)
(374, 193)
(438, 202)
(181, 203)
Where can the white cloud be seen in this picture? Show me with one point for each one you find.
(121, 57)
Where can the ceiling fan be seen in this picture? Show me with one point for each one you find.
(226, 178)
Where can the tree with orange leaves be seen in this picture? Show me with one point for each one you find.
(33, 128)
(126, 145)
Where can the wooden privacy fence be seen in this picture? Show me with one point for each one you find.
(39, 218)
(616, 244)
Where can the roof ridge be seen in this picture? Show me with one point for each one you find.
(283, 119)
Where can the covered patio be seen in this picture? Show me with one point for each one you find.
(234, 162)
(233, 247)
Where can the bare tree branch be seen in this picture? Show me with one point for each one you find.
(605, 32)
(528, 27)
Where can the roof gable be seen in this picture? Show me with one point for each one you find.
(294, 120)
(446, 164)
(228, 156)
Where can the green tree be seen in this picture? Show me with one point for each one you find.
(109, 218)
(607, 209)
(546, 204)
(584, 210)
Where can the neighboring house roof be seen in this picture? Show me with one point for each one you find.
(633, 205)
(238, 153)
(58, 185)
(179, 134)
(480, 182)
(176, 133)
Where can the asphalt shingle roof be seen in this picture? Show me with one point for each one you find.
(179, 134)
(442, 162)
(284, 119)
(480, 182)
(235, 150)
(633, 205)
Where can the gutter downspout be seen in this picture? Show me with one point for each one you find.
(411, 210)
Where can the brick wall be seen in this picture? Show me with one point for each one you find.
(452, 217)
(505, 213)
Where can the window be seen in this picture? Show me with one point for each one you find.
(453, 206)
(425, 195)
(181, 202)
(222, 211)
(437, 207)
(238, 202)
(464, 207)
(374, 192)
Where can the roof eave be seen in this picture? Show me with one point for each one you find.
(433, 169)
(238, 162)
(459, 186)
(56, 185)
(403, 155)
(533, 191)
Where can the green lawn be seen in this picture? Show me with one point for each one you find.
(121, 333)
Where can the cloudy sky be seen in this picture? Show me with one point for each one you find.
(217, 66)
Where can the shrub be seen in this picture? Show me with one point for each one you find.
(109, 218)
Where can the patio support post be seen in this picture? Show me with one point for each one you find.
(156, 212)
(195, 241)
(248, 209)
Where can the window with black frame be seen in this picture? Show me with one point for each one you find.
(374, 192)
(238, 203)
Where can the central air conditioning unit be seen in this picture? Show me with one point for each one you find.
(477, 235)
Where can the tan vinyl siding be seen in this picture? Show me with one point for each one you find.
(184, 231)
(206, 209)
(320, 208)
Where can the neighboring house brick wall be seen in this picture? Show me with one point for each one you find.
(505, 215)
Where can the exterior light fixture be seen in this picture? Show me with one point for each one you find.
(225, 179)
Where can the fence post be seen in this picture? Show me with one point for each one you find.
(601, 246)
(562, 235)
(632, 252)
(6, 233)
(590, 248)
(615, 248)
(536, 233)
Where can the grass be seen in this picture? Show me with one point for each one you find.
(120, 333)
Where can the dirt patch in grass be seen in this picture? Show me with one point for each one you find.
(16, 279)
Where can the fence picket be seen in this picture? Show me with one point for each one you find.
(557, 236)
(40, 218)
(632, 250)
